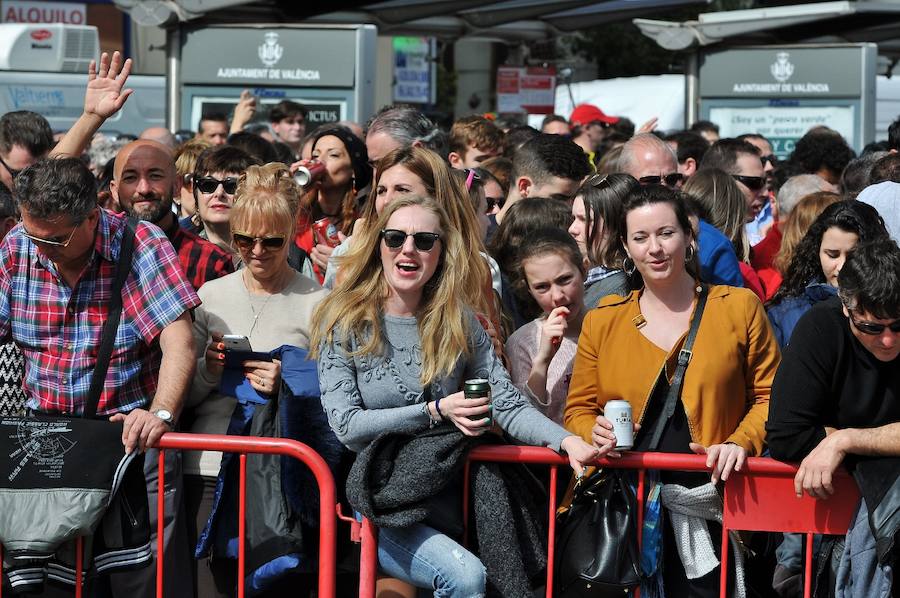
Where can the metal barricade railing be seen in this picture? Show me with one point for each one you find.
(758, 498)
(247, 445)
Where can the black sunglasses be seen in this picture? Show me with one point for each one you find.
(13, 173)
(395, 239)
(754, 183)
(246, 242)
(771, 159)
(494, 202)
(669, 180)
(208, 184)
(873, 328)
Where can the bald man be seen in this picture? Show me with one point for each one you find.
(160, 134)
(144, 183)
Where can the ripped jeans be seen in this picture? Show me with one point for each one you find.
(427, 558)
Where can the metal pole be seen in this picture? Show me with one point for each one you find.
(173, 77)
(691, 88)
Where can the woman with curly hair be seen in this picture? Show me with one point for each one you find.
(811, 276)
(394, 342)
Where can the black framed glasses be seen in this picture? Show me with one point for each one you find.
(246, 242)
(55, 241)
(771, 159)
(208, 184)
(394, 239)
(873, 328)
(669, 180)
(13, 173)
(754, 183)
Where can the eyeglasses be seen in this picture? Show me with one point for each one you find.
(55, 242)
(13, 173)
(208, 184)
(394, 239)
(754, 183)
(771, 159)
(247, 242)
(669, 180)
(873, 328)
(493, 202)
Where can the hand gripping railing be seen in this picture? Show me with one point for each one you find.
(758, 498)
(247, 445)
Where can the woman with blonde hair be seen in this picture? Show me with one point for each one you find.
(266, 301)
(395, 342)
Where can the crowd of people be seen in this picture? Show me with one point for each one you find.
(558, 269)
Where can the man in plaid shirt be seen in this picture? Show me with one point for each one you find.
(144, 183)
(56, 270)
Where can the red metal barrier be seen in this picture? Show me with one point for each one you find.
(758, 498)
(249, 445)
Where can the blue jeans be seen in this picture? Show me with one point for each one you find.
(427, 558)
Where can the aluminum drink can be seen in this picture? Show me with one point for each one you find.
(309, 174)
(477, 388)
(325, 232)
(619, 415)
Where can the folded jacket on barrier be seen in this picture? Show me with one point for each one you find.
(401, 479)
(282, 494)
(65, 478)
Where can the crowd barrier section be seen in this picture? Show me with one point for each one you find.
(245, 445)
(759, 498)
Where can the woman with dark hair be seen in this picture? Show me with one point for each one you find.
(597, 212)
(812, 275)
(630, 347)
(332, 198)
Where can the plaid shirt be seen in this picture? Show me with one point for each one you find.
(58, 328)
(200, 259)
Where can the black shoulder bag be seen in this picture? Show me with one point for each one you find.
(596, 539)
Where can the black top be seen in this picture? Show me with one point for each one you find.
(828, 378)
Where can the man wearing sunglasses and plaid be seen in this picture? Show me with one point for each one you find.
(836, 397)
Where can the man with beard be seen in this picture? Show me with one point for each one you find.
(144, 183)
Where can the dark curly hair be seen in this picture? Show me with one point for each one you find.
(822, 148)
(851, 216)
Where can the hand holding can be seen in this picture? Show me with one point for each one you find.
(619, 414)
(478, 388)
(309, 173)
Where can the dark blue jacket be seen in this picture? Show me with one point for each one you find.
(718, 262)
(784, 315)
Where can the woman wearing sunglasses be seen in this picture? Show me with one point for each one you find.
(266, 301)
(395, 343)
(812, 275)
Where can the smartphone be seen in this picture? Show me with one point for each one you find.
(237, 342)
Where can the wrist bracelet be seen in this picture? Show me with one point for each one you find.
(437, 407)
(431, 421)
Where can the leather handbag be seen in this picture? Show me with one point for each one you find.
(596, 544)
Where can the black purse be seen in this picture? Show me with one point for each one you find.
(596, 544)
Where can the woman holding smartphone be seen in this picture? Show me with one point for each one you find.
(266, 301)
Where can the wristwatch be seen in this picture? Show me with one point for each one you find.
(166, 416)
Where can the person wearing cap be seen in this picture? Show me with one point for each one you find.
(589, 125)
(885, 197)
(333, 196)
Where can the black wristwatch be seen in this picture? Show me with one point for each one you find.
(166, 416)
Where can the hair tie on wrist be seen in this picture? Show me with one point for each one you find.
(437, 407)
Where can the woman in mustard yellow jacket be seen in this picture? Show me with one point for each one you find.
(628, 351)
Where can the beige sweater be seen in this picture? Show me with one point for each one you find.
(284, 319)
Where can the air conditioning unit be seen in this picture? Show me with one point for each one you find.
(48, 47)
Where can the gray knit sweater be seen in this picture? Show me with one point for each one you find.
(372, 394)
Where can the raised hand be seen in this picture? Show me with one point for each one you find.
(105, 94)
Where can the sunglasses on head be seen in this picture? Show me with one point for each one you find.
(771, 159)
(394, 239)
(208, 184)
(873, 328)
(669, 180)
(247, 242)
(754, 183)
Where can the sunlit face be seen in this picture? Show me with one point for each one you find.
(556, 128)
(146, 184)
(78, 238)
(397, 181)
(215, 207)
(472, 157)
(885, 346)
(656, 242)
(214, 131)
(578, 229)
(291, 129)
(652, 161)
(408, 269)
(263, 263)
(378, 145)
(332, 152)
(554, 282)
(750, 165)
(836, 243)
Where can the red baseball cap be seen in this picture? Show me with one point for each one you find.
(585, 114)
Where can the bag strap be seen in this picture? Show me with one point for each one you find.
(111, 326)
(684, 358)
